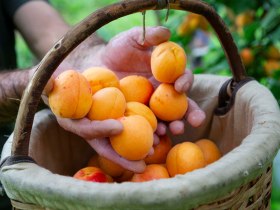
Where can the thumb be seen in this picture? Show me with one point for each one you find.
(153, 36)
(88, 129)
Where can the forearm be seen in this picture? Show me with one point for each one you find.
(12, 86)
(40, 25)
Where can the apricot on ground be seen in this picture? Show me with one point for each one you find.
(71, 95)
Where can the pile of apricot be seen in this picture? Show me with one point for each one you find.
(98, 94)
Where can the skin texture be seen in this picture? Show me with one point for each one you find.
(48, 27)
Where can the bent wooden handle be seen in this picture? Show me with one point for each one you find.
(85, 28)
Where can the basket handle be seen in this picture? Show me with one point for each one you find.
(89, 25)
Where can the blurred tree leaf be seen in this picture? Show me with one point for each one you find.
(249, 31)
(239, 6)
(271, 20)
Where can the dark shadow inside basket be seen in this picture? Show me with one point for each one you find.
(56, 149)
(64, 153)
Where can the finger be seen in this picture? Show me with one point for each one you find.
(151, 152)
(153, 36)
(104, 148)
(88, 129)
(177, 127)
(45, 99)
(184, 82)
(195, 116)
(161, 129)
(156, 140)
(49, 86)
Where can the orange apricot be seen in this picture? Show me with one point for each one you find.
(244, 19)
(109, 167)
(136, 108)
(270, 66)
(247, 56)
(210, 150)
(190, 23)
(107, 103)
(184, 157)
(273, 52)
(136, 88)
(167, 104)
(71, 95)
(136, 139)
(152, 172)
(168, 62)
(99, 77)
(160, 151)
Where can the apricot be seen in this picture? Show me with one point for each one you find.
(167, 104)
(99, 77)
(152, 172)
(71, 95)
(244, 19)
(273, 52)
(136, 108)
(107, 103)
(109, 167)
(168, 62)
(210, 150)
(136, 139)
(190, 23)
(247, 56)
(184, 157)
(92, 174)
(136, 88)
(270, 66)
(160, 151)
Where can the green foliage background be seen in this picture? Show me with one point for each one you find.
(258, 35)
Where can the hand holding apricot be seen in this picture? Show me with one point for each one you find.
(129, 45)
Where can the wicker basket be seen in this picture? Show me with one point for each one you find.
(245, 124)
